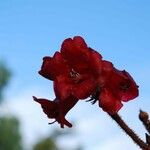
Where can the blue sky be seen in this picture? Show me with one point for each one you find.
(32, 29)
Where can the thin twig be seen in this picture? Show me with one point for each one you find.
(129, 132)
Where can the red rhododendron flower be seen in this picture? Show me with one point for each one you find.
(57, 109)
(74, 70)
(117, 86)
(77, 72)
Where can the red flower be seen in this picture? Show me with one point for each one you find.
(57, 109)
(77, 72)
(74, 70)
(118, 86)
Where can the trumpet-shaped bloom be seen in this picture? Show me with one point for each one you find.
(73, 69)
(77, 72)
(118, 86)
(57, 109)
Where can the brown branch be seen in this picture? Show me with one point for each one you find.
(129, 132)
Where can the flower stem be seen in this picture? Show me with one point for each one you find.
(129, 132)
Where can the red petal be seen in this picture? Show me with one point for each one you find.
(76, 53)
(106, 73)
(63, 122)
(123, 85)
(62, 87)
(50, 108)
(108, 102)
(107, 65)
(79, 42)
(84, 88)
(65, 106)
(95, 63)
(45, 72)
(132, 92)
(53, 67)
(57, 109)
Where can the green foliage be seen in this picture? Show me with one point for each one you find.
(10, 138)
(49, 143)
(46, 144)
(4, 77)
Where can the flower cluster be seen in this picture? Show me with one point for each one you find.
(79, 72)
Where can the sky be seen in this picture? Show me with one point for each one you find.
(32, 29)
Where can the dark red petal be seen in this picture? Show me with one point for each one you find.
(57, 109)
(108, 102)
(62, 121)
(123, 85)
(66, 104)
(95, 63)
(79, 42)
(67, 45)
(106, 73)
(107, 65)
(75, 52)
(45, 72)
(50, 108)
(53, 67)
(62, 87)
(132, 92)
(85, 88)
(64, 107)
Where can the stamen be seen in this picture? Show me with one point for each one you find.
(52, 122)
(75, 75)
(92, 100)
(94, 97)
